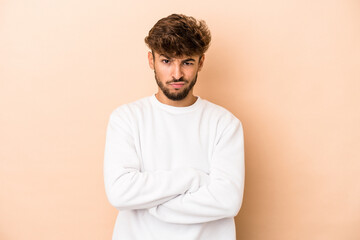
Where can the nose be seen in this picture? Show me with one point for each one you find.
(177, 71)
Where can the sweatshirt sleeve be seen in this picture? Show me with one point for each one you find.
(222, 196)
(126, 186)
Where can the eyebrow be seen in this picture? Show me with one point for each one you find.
(185, 60)
(162, 55)
(189, 59)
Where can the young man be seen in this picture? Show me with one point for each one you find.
(174, 163)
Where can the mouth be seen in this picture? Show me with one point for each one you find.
(177, 85)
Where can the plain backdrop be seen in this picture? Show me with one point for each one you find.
(289, 70)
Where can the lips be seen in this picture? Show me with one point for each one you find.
(177, 84)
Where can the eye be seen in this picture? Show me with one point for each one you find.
(188, 63)
(165, 60)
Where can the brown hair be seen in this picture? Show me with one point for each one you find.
(179, 35)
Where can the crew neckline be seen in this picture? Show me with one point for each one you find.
(174, 109)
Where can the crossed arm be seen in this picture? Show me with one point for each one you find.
(184, 196)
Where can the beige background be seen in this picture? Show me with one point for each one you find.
(290, 70)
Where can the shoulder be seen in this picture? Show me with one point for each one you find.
(132, 107)
(220, 114)
(129, 111)
(226, 125)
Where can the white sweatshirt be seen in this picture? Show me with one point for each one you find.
(174, 172)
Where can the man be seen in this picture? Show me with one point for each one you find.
(174, 163)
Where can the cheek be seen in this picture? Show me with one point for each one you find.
(190, 74)
(162, 73)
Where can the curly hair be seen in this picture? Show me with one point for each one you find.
(179, 35)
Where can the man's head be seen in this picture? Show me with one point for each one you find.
(177, 44)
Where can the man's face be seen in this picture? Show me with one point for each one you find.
(175, 77)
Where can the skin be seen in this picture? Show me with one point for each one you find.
(175, 75)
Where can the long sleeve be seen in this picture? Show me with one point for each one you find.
(127, 187)
(222, 196)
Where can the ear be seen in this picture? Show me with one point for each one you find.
(151, 60)
(201, 62)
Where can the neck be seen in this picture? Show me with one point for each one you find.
(189, 100)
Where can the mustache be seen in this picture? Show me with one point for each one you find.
(177, 80)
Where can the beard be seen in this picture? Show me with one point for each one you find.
(176, 96)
